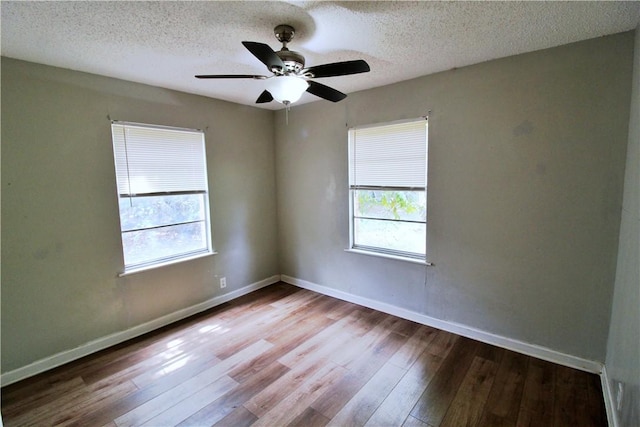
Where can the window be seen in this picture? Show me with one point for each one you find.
(388, 189)
(161, 176)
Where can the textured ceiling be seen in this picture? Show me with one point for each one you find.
(166, 43)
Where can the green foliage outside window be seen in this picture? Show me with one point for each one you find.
(398, 205)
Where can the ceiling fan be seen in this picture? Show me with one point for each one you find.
(290, 79)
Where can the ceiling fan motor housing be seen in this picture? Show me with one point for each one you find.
(293, 61)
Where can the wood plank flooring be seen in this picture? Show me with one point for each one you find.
(284, 356)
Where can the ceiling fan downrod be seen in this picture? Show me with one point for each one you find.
(293, 61)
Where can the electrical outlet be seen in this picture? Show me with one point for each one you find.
(223, 282)
(619, 396)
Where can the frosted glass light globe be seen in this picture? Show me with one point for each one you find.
(286, 89)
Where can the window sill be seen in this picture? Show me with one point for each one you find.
(136, 270)
(398, 258)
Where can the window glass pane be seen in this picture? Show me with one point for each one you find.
(155, 244)
(392, 235)
(394, 205)
(144, 212)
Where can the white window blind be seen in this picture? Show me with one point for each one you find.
(392, 155)
(177, 163)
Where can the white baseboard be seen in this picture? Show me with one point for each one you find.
(456, 328)
(609, 400)
(91, 347)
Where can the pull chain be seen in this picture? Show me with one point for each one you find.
(287, 105)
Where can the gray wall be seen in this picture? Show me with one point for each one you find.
(60, 245)
(526, 167)
(526, 174)
(623, 350)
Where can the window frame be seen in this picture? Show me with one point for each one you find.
(176, 257)
(354, 188)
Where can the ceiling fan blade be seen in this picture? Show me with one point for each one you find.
(265, 54)
(230, 76)
(326, 92)
(265, 96)
(339, 69)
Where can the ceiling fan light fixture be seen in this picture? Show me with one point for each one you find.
(287, 89)
(290, 77)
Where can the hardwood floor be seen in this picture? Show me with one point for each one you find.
(286, 356)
